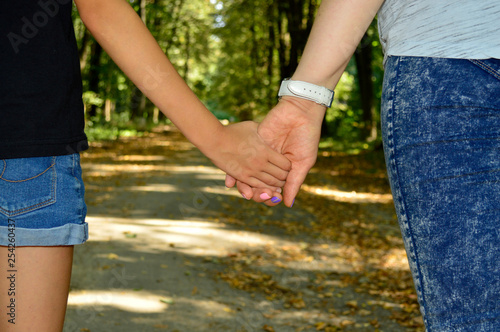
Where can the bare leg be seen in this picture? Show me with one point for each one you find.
(41, 284)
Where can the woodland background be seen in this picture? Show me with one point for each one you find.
(233, 54)
(200, 255)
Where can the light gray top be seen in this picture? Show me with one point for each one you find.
(466, 29)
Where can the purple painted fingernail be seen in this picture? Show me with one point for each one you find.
(275, 200)
(292, 202)
(244, 196)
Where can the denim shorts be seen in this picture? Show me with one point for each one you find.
(41, 201)
(441, 133)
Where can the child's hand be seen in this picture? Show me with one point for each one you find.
(239, 151)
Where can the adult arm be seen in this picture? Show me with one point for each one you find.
(293, 126)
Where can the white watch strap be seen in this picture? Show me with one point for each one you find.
(309, 91)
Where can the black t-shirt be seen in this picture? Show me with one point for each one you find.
(41, 109)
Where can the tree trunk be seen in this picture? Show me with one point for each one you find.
(83, 52)
(138, 100)
(188, 53)
(293, 40)
(282, 49)
(137, 103)
(325, 131)
(295, 15)
(272, 91)
(95, 63)
(363, 56)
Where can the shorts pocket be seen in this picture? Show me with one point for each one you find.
(27, 184)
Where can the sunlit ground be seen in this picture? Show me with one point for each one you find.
(196, 238)
(140, 301)
(348, 197)
(247, 256)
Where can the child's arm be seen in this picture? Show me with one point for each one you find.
(239, 151)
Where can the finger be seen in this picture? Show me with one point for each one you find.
(253, 178)
(275, 199)
(262, 194)
(280, 161)
(264, 180)
(275, 171)
(245, 190)
(230, 181)
(292, 186)
(267, 196)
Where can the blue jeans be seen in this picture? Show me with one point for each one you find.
(441, 132)
(41, 201)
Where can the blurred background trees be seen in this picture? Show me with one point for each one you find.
(233, 54)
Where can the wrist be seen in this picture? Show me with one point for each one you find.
(209, 137)
(304, 108)
(305, 90)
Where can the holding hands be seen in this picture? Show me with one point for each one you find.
(238, 150)
(291, 128)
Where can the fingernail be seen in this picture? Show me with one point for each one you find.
(278, 190)
(264, 196)
(244, 196)
(275, 200)
(292, 203)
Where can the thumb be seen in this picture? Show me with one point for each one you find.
(292, 185)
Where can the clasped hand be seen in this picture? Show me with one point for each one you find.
(292, 128)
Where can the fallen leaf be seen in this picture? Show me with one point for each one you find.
(268, 328)
(364, 312)
(167, 300)
(352, 304)
(346, 322)
(320, 326)
(160, 326)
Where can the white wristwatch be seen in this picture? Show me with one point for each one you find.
(309, 91)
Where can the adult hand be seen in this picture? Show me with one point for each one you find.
(293, 128)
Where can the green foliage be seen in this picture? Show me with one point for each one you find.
(351, 147)
(90, 98)
(232, 53)
(183, 30)
(120, 126)
(241, 83)
(344, 119)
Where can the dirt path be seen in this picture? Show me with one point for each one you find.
(171, 249)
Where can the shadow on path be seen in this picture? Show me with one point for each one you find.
(172, 249)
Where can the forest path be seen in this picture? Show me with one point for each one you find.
(172, 249)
